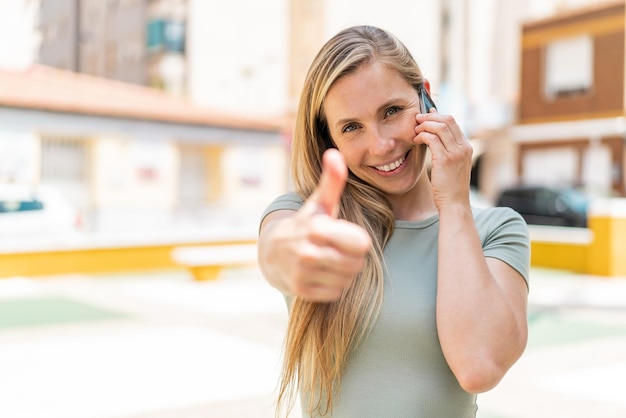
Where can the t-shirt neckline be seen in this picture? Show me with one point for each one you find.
(424, 223)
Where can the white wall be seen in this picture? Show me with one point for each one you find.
(237, 54)
(237, 50)
(556, 167)
(415, 22)
(134, 173)
(597, 167)
(18, 39)
(19, 155)
(253, 176)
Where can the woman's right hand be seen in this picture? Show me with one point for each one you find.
(310, 253)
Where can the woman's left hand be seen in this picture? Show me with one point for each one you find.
(451, 157)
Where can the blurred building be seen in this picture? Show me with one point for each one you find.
(117, 150)
(131, 156)
(134, 41)
(237, 55)
(166, 42)
(468, 49)
(248, 57)
(19, 41)
(101, 38)
(571, 127)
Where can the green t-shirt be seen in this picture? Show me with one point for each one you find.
(399, 370)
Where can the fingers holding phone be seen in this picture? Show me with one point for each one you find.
(451, 152)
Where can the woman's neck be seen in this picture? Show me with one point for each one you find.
(415, 205)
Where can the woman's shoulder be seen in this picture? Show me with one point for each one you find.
(504, 235)
(490, 218)
(495, 212)
(287, 201)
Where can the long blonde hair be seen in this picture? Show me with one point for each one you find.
(320, 336)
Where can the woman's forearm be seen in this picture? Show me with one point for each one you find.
(481, 314)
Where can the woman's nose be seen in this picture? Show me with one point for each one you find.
(381, 144)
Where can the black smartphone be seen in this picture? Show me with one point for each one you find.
(426, 102)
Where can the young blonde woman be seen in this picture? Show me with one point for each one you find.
(404, 300)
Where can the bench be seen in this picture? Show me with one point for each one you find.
(207, 262)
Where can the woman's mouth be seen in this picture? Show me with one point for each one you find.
(386, 168)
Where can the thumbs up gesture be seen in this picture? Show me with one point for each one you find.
(333, 180)
(312, 254)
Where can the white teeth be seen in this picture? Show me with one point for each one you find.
(392, 166)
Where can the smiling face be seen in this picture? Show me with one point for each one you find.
(371, 119)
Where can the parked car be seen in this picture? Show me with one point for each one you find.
(541, 205)
(28, 211)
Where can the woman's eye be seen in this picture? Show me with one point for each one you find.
(349, 128)
(392, 110)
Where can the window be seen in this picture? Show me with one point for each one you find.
(569, 67)
(63, 159)
(175, 37)
(194, 181)
(155, 35)
(164, 35)
(65, 165)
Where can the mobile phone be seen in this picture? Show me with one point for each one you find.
(426, 102)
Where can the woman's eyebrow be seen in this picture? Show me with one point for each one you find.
(344, 121)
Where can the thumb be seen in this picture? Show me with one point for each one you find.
(332, 182)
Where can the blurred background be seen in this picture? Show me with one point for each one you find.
(141, 139)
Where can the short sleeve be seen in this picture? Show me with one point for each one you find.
(504, 235)
(287, 201)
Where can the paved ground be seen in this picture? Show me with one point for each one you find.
(159, 345)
